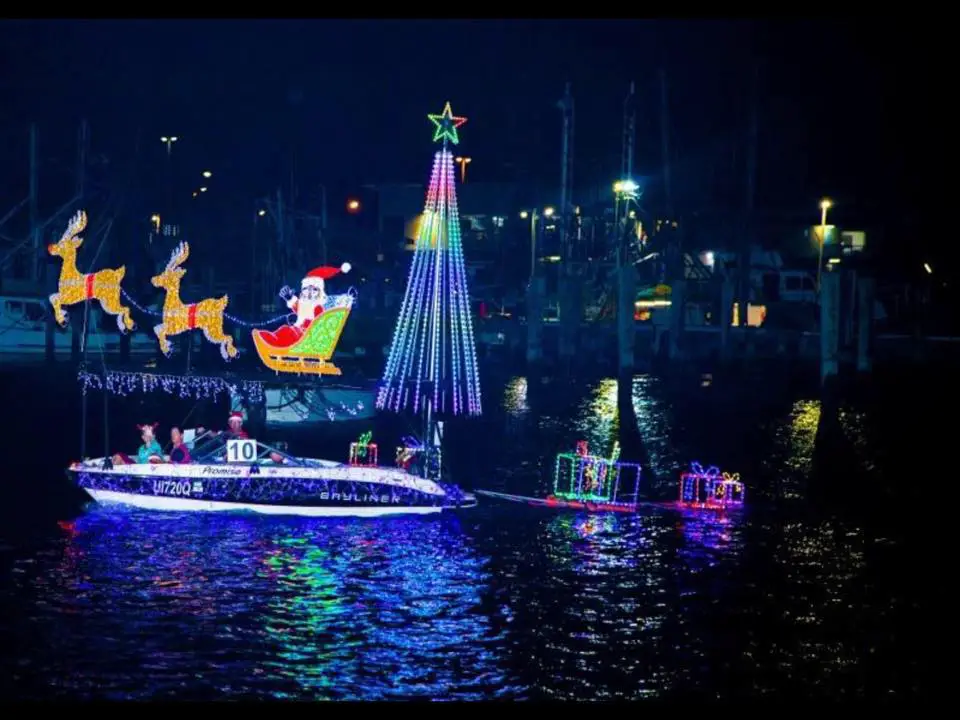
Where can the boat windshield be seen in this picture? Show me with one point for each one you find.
(211, 448)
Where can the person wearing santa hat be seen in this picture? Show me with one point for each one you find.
(235, 426)
(308, 306)
(236, 432)
(234, 429)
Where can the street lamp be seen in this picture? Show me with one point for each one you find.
(626, 189)
(203, 189)
(261, 212)
(207, 174)
(353, 206)
(463, 162)
(534, 217)
(825, 205)
(623, 192)
(169, 140)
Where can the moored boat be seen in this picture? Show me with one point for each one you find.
(23, 332)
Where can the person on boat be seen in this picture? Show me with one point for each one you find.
(179, 453)
(149, 452)
(308, 306)
(234, 429)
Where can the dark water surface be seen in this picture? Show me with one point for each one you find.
(811, 592)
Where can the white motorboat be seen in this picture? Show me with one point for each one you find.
(245, 475)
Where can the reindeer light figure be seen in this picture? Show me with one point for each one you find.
(76, 287)
(206, 315)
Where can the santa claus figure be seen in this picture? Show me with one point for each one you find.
(307, 306)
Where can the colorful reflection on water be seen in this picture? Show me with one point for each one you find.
(333, 610)
(504, 601)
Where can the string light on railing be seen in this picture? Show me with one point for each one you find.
(185, 386)
(351, 411)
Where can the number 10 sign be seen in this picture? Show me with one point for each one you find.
(241, 450)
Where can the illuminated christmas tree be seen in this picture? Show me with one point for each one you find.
(432, 365)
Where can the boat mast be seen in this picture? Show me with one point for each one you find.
(746, 239)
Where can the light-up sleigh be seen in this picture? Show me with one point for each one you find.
(248, 476)
(312, 353)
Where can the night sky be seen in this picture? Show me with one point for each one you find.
(349, 98)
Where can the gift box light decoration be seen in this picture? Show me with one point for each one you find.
(406, 453)
(184, 386)
(581, 476)
(710, 488)
(729, 492)
(75, 287)
(206, 315)
(413, 452)
(363, 452)
(433, 353)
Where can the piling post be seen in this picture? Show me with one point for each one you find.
(848, 306)
(725, 316)
(678, 291)
(626, 325)
(569, 317)
(535, 294)
(829, 326)
(865, 297)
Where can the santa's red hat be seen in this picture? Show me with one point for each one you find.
(317, 276)
(235, 416)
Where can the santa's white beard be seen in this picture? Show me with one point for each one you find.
(305, 311)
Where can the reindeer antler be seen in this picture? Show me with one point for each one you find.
(76, 226)
(179, 256)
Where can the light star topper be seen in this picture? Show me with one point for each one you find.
(445, 125)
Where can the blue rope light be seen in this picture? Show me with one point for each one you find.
(231, 318)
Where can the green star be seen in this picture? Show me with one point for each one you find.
(445, 125)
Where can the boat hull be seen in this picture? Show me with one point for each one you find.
(336, 490)
(181, 504)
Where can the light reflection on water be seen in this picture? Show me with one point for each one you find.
(503, 601)
(339, 610)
